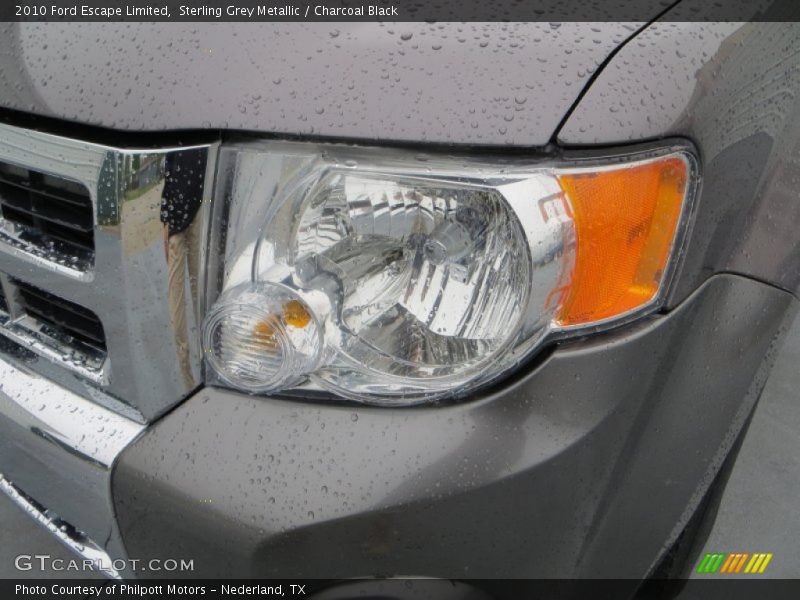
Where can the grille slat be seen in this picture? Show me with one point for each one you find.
(66, 317)
(85, 241)
(32, 205)
(52, 210)
(73, 198)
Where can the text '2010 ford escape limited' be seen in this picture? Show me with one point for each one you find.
(347, 300)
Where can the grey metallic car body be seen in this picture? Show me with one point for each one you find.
(593, 459)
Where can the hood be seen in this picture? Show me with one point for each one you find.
(464, 83)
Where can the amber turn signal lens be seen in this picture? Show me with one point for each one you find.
(626, 221)
(296, 314)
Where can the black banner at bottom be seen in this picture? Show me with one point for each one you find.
(407, 589)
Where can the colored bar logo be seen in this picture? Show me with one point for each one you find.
(734, 562)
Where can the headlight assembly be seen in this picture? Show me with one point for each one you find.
(393, 279)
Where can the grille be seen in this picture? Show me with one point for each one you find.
(54, 213)
(83, 270)
(65, 318)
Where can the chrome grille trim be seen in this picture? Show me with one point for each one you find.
(27, 332)
(59, 440)
(75, 540)
(23, 328)
(126, 287)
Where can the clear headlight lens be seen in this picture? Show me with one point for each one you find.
(397, 282)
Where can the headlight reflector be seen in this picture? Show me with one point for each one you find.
(430, 279)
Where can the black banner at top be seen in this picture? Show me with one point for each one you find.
(397, 10)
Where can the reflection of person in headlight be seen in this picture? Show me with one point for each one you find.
(180, 203)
